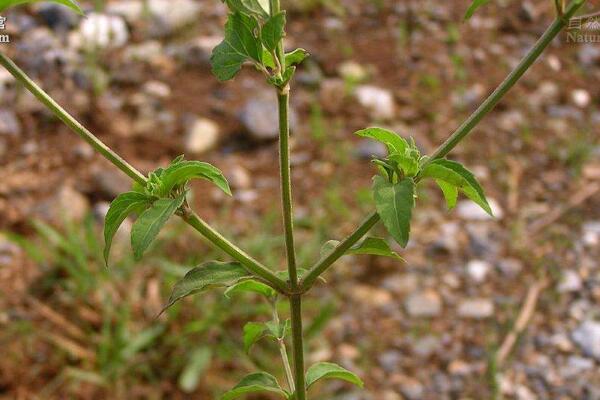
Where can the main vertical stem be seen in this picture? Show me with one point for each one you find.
(288, 222)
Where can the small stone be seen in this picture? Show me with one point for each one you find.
(581, 98)
(260, 118)
(111, 184)
(66, 205)
(171, 15)
(424, 304)
(591, 233)
(103, 31)
(587, 337)
(198, 51)
(411, 388)
(478, 270)
(577, 365)
(426, 346)
(569, 282)
(9, 123)
(57, 17)
(510, 267)
(476, 308)
(459, 367)
(202, 136)
(390, 360)
(239, 177)
(511, 121)
(157, 89)
(547, 93)
(352, 71)
(380, 102)
(146, 52)
(367, 149)
(588, 55)
(131, 10)
(467, 209)
(470, 97)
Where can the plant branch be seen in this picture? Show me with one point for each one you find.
(298, 346)
(283, 350)
(212, 235)
(560, 22)
(71, 122)
(326, 261)
(487, 106)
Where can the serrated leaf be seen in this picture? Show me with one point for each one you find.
(4, 4)
(255, 383)
(251, 286)
(150, 222)
(296, 57)
(259, 8)
(253, 332)
(457, 175)
(240, 45)
(326, 370)
(273, 30)
(181, 172)
(474, 6)
(197, 364)
(212, 274)
(394, 142)
(394, 203)
(120, 208)
(450, 193)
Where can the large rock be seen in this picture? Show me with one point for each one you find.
(587, 337)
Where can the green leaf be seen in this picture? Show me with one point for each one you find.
(4, 4)
(209, 275)
(197, 364)
(273, 30)
(251, 286)
(457, 175)
(394, 142)
(240, 45)
(369, 246)
(474, 6)
(253, 332)
(325, 370)
(295, 57)
(254, 383)
(394, 203)
(408, 164)
(279, 331)
(181, 172)
(374, 246)
(120, 208)
(150, 222)
(450, 193)
(258, 8)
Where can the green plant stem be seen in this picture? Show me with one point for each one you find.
(557, 26)
(71, 122)
(283, 351)
(201, 226)
(298, 346)
(324, 263)
(245, 259)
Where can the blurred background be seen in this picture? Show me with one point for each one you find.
(137, 74)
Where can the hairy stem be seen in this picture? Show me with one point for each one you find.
(324, 263)
(196, 222)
